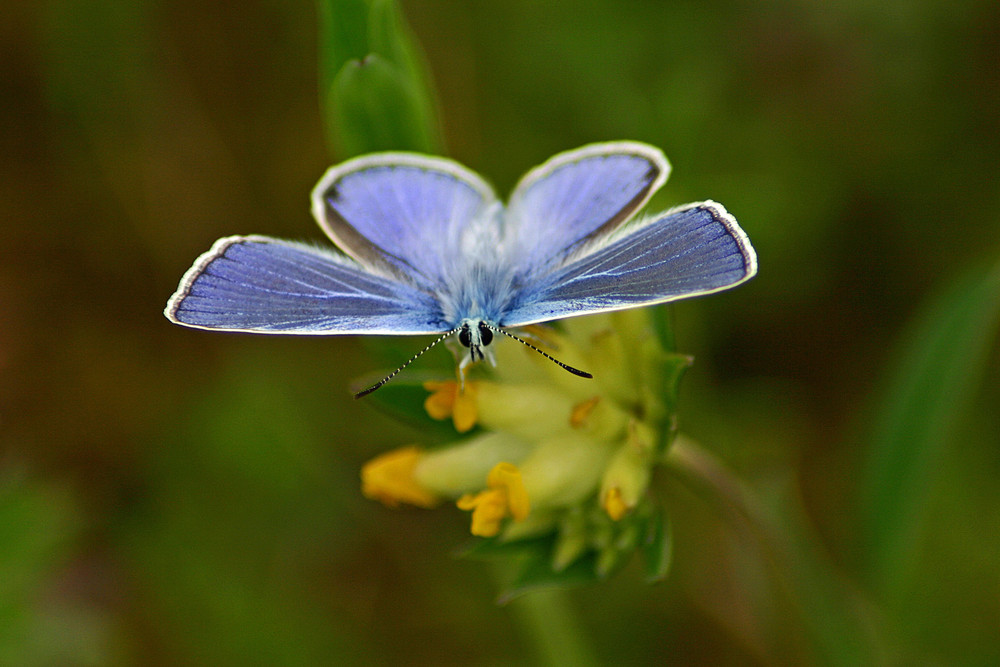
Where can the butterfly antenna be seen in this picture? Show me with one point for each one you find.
(574, 371)
(365, 392)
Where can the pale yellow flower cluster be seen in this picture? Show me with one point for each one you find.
(551, 445)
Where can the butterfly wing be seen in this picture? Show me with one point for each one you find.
(578, 197)
(264, 285)
(402, 215)
(693, 250)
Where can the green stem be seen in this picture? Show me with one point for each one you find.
(548, 622)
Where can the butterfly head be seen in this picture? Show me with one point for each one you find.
(475, 335)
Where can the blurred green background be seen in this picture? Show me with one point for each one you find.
(170, 496)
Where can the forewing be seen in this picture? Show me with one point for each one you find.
(401, 214)
(264, 285)
(693, 250)
(578, 197)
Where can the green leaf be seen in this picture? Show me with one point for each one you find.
(943, 356)
(537, 574)
(490, 548)
(391, 38)
(532, 559)
(658, 547)
(662, 319)
(403, 400)
(375, 107)
(663, 369)
(376, 92)
(670, 369)
(343, 36)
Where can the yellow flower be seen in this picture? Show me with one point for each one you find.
(581, 411)
(449, 400)
(418, 477)
(613, 503)
(389, 479)
(627, 475)
(582, 450)
(505, 496)
(565, 470)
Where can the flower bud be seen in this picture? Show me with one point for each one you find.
(627, 476)
(462, 468)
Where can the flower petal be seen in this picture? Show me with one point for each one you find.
(466, 410)
(613, 503)
(578, 416)
(507, 477)
(506, 496)
(489, 508)
(448, 399)
(441, 402)
(389, 479)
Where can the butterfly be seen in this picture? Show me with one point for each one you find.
(423, 246)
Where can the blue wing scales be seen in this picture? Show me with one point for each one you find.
(694, 250)
(401, 214)
(578, 197)
(264, 285)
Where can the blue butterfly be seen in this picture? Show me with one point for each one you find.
(425, 247)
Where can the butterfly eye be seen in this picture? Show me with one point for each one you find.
(485, 334)
(465, 336)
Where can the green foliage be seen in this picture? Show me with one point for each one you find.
(39, 530)
(658, 547)
(403, 399)
(194, 497)
(827, 615)
(376, 93)
(940, 366)
(376, 108)
(606, 548)
(241, 507)
(668, 369)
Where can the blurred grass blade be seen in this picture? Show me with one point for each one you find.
(830, 613)
(940, 366)
(376, 93)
